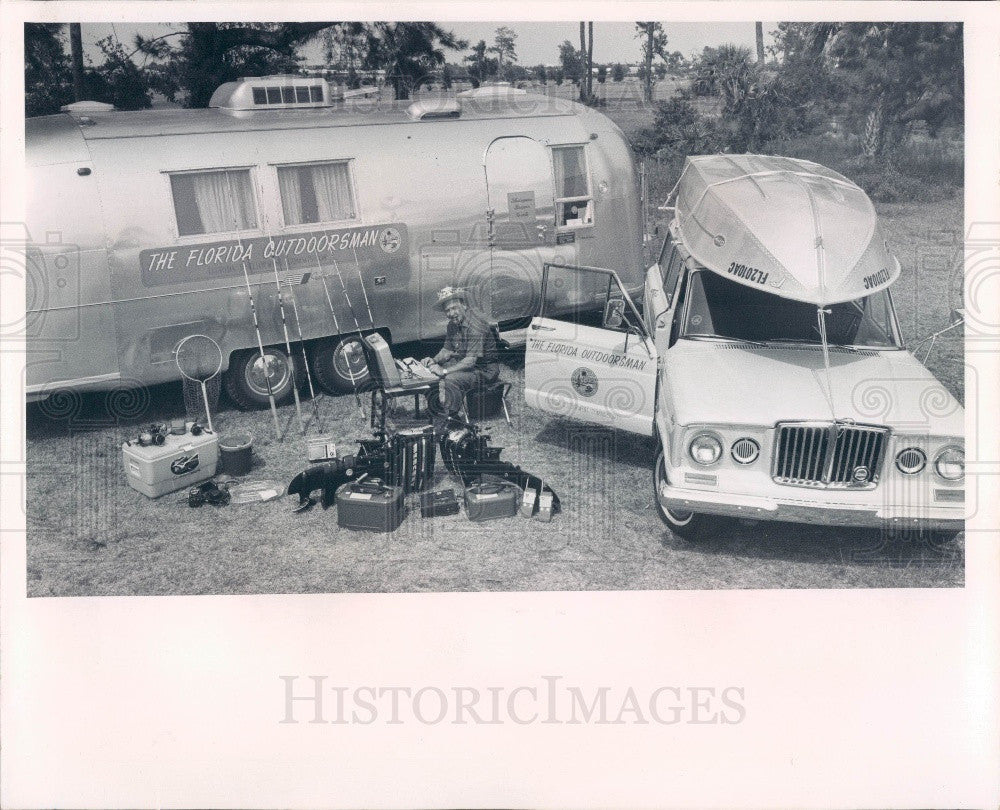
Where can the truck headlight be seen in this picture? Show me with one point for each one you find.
(705, 449)
(911, 460)
(950, 463)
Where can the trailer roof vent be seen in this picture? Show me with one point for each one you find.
(497, 90)
(84, 107)
(283, 92)
(434, 108)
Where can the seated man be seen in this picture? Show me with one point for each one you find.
(469, 356)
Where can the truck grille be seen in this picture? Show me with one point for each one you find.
(824, 454)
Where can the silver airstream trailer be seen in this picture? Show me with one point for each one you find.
(151, 226)
(767, 361)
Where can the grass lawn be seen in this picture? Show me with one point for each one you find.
(90, 534)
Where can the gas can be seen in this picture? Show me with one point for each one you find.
(370, 505)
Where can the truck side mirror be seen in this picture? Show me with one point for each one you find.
(614, 313)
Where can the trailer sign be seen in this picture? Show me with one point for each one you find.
(367, 245)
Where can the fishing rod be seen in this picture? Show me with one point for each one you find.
(336, 324)
(288, 346)
(350, 306)
(302, 340)
(256, 323)
(263, 359)
(364, 292)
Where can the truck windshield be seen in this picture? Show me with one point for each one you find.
(720, 308)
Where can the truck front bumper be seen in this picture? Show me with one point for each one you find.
(929, 518)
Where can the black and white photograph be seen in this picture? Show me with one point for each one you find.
(409, 310)
(532, 373)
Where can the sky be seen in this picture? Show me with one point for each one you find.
(537, 42)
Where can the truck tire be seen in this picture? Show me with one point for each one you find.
(339, 364)
(244, 379)
(691, 526)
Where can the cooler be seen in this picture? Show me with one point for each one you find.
(181, 461)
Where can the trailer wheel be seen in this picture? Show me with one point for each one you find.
(339, 364)
(245, 380)
(689, 525)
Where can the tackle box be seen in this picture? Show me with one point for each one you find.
(181, 461)
(438, 504)
(369, 505)
(492, 499)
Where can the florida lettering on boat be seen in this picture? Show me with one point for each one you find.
(876, 279)
(744, 271)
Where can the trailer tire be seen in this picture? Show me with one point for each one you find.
(244, 380)
(339, 364)
(690, 526)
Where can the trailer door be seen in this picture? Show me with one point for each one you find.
(520, 228)
(589, 355)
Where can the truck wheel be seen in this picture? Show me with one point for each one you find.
(689, 525)
(339, 364)
(246, 384)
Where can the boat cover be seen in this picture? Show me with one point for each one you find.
(790, 227)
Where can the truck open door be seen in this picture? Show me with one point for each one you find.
(589, 355)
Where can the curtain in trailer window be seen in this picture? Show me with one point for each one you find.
(318, 193)
(213, 202)
(571, 172)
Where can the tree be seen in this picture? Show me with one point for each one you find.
(47, 76)
(481, 67)
(503, 47)
(210, 54)
(118, 80)
(678, 130)
(343, 50)
(654, 43)
(726, 71)
(899, 73)
(559, 76)
(617, 72)
(569, 59)
(446, 76)
(602, 74)
(407, 51)
(541, 74)
(590, 59)
(76, 59)
(583, 58)
(759, 32)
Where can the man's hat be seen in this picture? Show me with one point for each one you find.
(449, 294)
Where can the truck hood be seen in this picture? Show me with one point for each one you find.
(722, 382)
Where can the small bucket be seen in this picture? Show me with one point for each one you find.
(236, 453)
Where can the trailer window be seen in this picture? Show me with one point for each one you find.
(574, 205)
(319, 192)
(213, 202)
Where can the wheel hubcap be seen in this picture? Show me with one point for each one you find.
(349, 361)
(271, 369)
